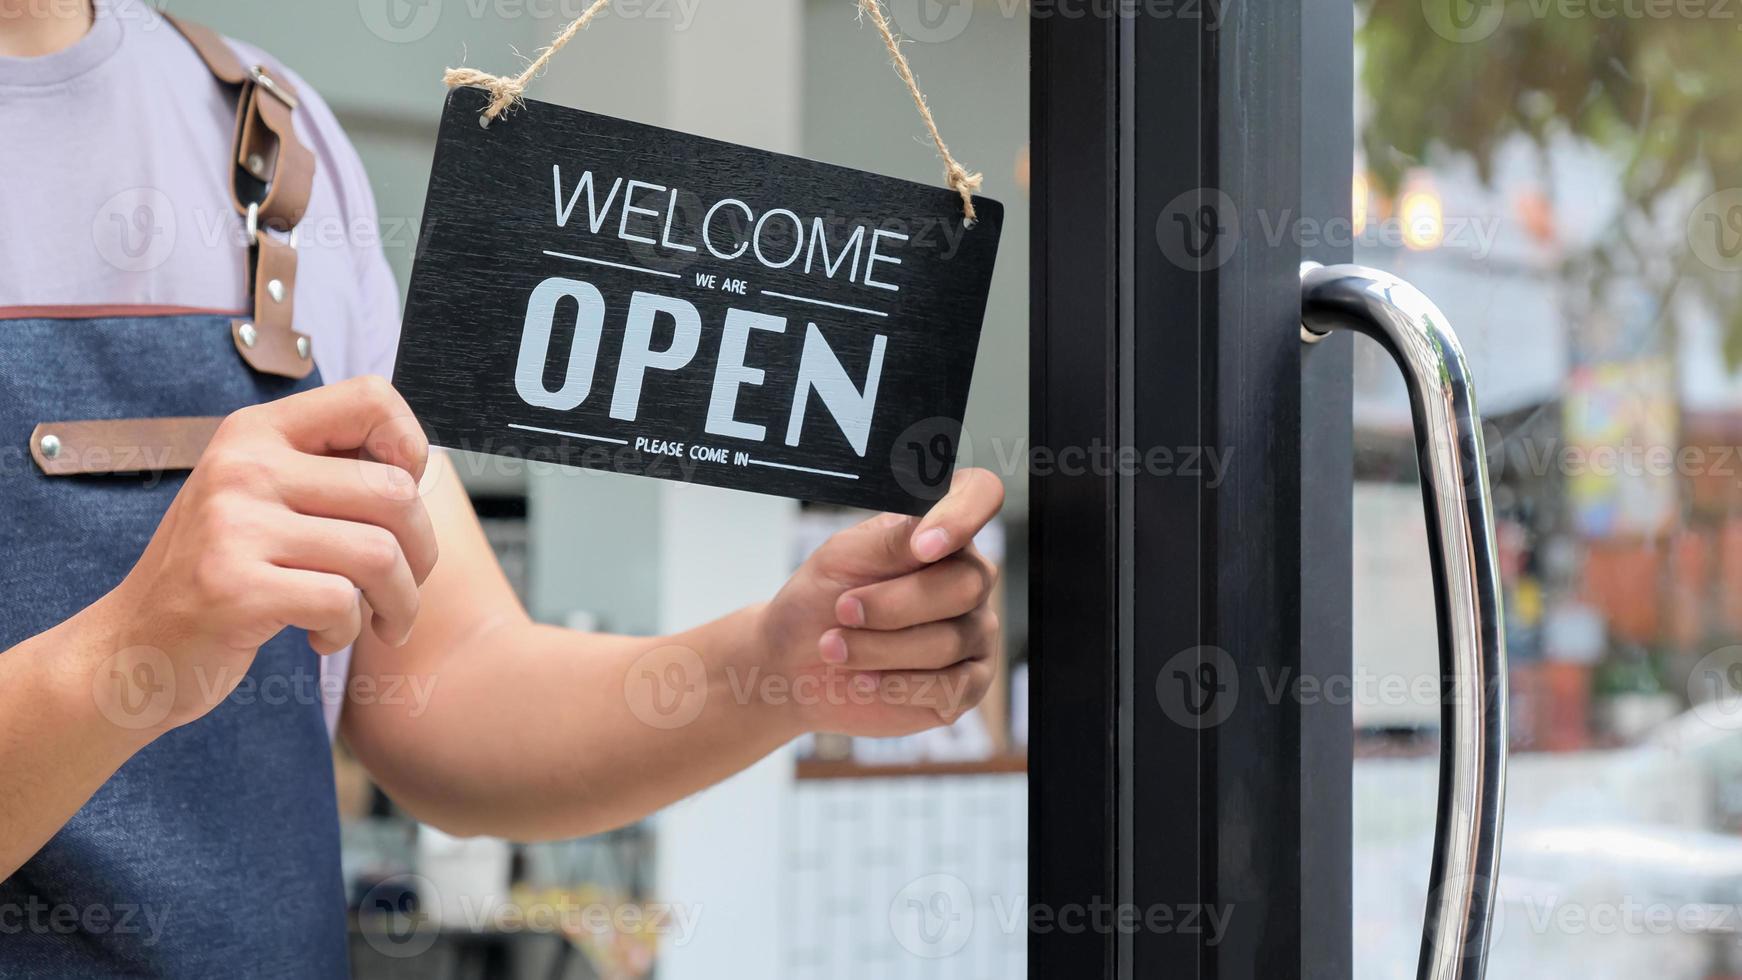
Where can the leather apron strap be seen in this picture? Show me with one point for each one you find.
(272, 177)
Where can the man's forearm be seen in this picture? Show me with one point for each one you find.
(536, 732)
(486, 723)
(57, 744)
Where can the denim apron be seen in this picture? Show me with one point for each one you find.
(214, 851)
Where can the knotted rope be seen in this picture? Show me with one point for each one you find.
(506, 92)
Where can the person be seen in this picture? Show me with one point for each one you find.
(208, 486)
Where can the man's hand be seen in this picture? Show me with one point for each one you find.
(887, 628)
(536, 732)
(294, 507)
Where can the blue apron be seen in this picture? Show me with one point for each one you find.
(214, 851)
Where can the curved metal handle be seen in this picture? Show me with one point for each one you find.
(1454, 483)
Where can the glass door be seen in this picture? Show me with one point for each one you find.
(1241, 722)
(1189, 808)
(1562, 179)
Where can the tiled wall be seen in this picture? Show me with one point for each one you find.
(916, 877)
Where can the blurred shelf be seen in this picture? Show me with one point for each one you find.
(849, 769)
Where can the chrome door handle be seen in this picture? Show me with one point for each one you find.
(1455, 492)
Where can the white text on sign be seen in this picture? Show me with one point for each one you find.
(721, 231)
(851, 404)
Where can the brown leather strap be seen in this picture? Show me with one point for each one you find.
(267, 341)
(219, 57)
(266, 145)
(267, 150)
(272, 178)
(121, 445)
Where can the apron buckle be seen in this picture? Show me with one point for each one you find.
(266, 82)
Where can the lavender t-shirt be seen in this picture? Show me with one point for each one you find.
(114, 192)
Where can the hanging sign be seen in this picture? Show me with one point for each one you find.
(600, 293)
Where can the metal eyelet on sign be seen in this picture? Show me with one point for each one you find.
(302, 348)
(275, 289)
(248, 335)
(50, 446)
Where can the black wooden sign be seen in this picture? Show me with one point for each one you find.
(601, 293)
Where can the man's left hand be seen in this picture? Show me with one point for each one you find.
(888, 628)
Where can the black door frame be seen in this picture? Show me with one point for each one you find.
(1186, 159)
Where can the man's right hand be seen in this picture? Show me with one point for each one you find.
(295, 507)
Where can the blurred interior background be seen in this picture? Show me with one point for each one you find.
(1566, 184)
(790, 869)
(1562, 178)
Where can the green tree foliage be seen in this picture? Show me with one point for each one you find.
(1655, 84)
(1662, 92)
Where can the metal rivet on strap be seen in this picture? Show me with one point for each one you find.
(50, 446)
(256, 165)
(302, 348)
(248, 334)
(275, 289)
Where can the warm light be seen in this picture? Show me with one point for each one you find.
(1536, 214)
(1423, 219)
(1358, 203)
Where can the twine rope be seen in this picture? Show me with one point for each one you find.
(956, 176)
(507, 91)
